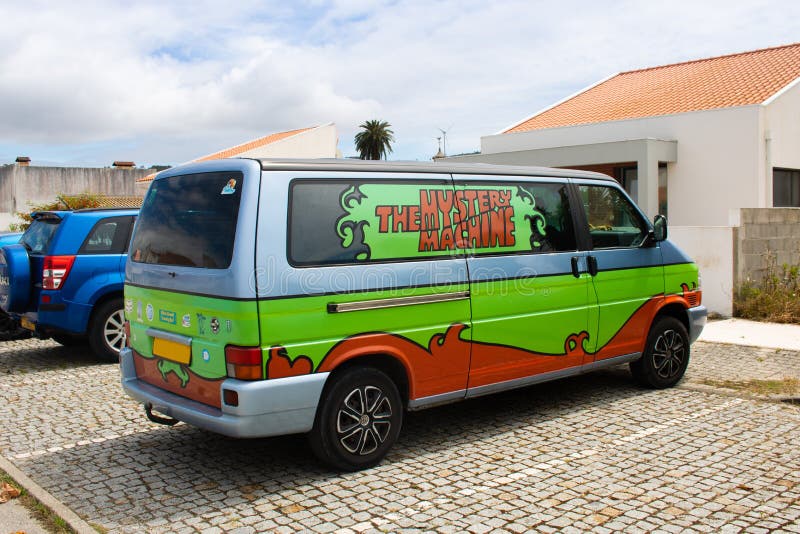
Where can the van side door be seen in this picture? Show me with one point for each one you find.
(363, 265)
(627, 271)
(531, 301)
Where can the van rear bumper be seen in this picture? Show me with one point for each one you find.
(266, 407)
(697, 320)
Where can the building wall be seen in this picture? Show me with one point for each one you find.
(770, 235)
(717, 263)
(22, 186)
(717, 157)
(782, 131)
(317, 143)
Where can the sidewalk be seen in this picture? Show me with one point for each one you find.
(752, 334)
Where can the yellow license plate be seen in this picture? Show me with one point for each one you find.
(170, 350)
(27, 324)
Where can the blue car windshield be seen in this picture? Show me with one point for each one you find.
(39, 234)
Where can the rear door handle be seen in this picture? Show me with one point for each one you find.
(575, 272)
(591, 262)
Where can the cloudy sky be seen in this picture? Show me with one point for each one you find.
(163, 82)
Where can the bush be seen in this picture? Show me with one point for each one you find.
(62, 202)
(776, 298)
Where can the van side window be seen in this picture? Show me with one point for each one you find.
(613, 221)
(554, 231)
(348, 222)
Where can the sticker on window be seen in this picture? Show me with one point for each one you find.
(230, 187)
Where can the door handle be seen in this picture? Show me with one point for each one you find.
(591, 262)
(575, 272)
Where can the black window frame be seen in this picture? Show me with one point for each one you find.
(794, 186)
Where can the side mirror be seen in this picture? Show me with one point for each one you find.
(659, 228)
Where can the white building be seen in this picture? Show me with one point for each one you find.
(695, 141)
(315, 142)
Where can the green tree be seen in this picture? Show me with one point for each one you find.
(375, 140)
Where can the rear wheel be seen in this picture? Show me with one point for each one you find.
(107, 330)
(666, 355)
(358, 420)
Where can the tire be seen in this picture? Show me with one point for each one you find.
(358, 420)
(106, 330)
(68, 340)
(666, 355)
(10, 328)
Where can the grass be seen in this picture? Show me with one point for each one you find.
(785, 386)
(49, 520)
(776, 298)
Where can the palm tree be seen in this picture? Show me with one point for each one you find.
(375, 140)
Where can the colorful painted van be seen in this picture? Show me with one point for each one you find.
(328, 297)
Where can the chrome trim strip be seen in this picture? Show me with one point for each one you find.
(375, 304)
(169, 336)
(552, 375)
(436, 400)
(608, 362)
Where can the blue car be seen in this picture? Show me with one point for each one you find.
(64, 278)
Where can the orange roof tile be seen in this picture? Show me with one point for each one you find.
(240, 149)
(718, 82)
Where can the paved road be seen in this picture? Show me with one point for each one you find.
(590, 453)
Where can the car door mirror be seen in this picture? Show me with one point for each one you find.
(659, 228)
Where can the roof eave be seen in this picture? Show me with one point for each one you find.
(570, 97)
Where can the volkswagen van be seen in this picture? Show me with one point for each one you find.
(268, 297)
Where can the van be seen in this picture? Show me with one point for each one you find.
(268, 297)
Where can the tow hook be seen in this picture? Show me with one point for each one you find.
(169, 421)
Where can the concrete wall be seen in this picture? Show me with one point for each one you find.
(713, 248)
(719, 157)
(766, 234)
(21, 186)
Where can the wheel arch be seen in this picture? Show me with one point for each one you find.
(393, 367)
(676, 310)
(102, 299)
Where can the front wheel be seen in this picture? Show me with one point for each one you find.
(107, 330)
(358, 420)
(666, 355)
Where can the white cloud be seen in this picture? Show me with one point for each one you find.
(162, 82)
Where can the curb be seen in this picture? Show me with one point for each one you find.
(60, 509)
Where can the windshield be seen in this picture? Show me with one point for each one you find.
(189, 220)
(39, 234)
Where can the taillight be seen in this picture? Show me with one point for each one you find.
(244, 363)
(56, 270)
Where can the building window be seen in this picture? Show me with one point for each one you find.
(786, 188)
(629, 178)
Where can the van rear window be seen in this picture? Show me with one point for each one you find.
(189, 220)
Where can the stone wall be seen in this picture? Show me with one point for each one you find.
(21, 186)
(766, 233)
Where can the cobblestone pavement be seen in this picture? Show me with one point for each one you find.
(589, 453)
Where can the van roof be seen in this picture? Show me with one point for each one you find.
(423, 167)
